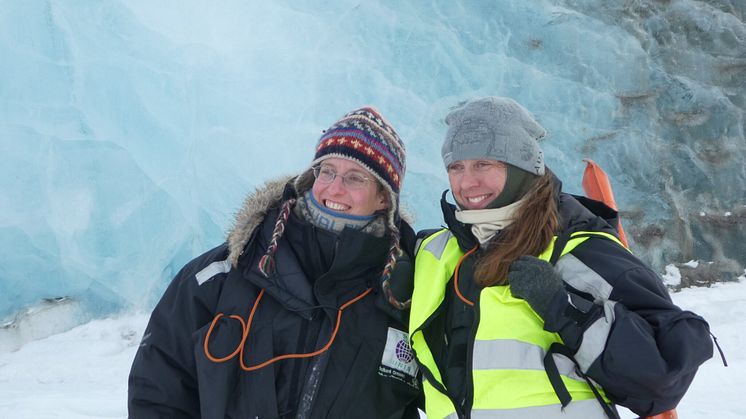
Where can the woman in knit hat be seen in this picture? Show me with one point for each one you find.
(528, 305)
(292, 317)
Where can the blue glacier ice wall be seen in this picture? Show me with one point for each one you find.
(131, 131)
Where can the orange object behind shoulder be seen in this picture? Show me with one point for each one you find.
(668, 414)
(597, 186)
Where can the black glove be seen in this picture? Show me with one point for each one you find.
(395, 297)
(537, 282)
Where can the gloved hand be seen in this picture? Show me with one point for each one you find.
(537, 282)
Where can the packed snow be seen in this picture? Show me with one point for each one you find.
(82, 373)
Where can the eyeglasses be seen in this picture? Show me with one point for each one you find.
(351, 180)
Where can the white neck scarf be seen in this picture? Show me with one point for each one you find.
(486, 223)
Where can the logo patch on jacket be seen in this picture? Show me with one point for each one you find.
(398, 358)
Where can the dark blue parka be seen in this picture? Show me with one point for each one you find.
(366, 372)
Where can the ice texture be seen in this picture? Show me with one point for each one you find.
(130, 132)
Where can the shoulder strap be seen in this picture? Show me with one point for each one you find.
(549, 365)
(559, 245)
(559, 387)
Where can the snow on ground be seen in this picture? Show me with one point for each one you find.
(78, 374)
(82, 373)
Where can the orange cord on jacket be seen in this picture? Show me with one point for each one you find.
(246, 327)
(455, 277)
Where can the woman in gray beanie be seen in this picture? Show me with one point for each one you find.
(528, 300)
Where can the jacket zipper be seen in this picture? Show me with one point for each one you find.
(468, 401)
(469, 396)
(317, 366)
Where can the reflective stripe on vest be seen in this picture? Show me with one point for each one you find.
(577, 409)
(508, 373)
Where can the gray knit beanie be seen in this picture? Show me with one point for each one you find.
(495, 128)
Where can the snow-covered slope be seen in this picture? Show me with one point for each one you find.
(82, 374)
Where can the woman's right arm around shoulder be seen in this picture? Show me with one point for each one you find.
(163, 377)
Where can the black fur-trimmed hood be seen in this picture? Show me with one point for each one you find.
(254, 209)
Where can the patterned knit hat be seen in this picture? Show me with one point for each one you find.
(364, 137)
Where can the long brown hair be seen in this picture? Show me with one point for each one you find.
(529, 234)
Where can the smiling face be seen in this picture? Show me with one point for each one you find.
(476, 183)
(339, 198)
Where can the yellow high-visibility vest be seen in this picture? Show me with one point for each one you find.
(507, 367)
